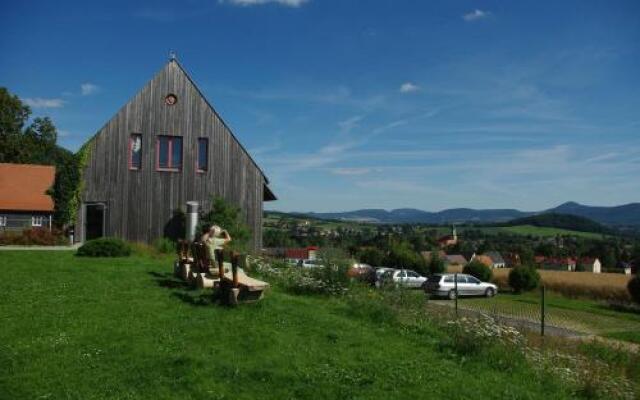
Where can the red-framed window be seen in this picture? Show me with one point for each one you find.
(135, 151)
(169, 153)
(203, 155)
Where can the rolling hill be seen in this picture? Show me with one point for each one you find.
(623, 215)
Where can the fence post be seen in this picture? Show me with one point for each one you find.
(455, 285)
(542, 311)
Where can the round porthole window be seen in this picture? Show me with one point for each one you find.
(171, 99)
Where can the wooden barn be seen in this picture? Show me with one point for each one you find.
(165, 147)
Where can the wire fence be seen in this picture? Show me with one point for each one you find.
(549, 313)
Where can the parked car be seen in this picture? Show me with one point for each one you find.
(380, 271)
(444, 285)
(363, 273)
(403, 277)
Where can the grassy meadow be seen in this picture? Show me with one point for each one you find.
(79, 328)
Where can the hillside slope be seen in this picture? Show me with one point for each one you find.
(562, 221)
(124, 328)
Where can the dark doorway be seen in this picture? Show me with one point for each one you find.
(94, 221)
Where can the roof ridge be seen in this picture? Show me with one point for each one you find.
(174, 60)
(30, 165)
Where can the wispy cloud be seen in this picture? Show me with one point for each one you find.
(475, 15)
(247, 3)
(350, 124)
(409, 87)
(337, 95)
(350, 171)
(89, 88)
(39, 102)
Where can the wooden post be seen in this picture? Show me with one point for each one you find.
(542, 311)
(455, 285)
(220, 260)
(234, 268)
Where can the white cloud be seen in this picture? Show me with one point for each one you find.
(409, 87)
(247, 3)
(475, 15)
(38, 102)
(88, 88)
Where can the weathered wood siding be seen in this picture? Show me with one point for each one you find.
(141, 203)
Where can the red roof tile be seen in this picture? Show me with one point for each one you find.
(23, 187)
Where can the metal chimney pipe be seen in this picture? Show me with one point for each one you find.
(192, 220)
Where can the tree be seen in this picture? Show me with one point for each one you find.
(479, 270)
(277, 238)
(402, 255)
(436, 263)
(13, 113)
(372, 256)
(43, 131)
(523, 279)
(230, 218)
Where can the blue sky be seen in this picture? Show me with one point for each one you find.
(366, 104)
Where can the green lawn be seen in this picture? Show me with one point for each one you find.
(124, 328)
(576, 314)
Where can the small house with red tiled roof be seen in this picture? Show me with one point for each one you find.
(24, 201)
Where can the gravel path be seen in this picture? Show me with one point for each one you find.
(38, 248)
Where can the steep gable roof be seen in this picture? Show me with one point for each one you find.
(173, 62)
(23, 187)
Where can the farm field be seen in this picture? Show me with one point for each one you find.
(604, 286)
(124, 328)
(583, 316)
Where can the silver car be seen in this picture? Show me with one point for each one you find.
(444, 285)
(402, 278)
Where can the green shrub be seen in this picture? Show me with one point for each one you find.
(228, 217)
(34, 237)
(105, 247)
(634, 288)
(164, 245)
(334, 273)
(523, 279)
(479, 270)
